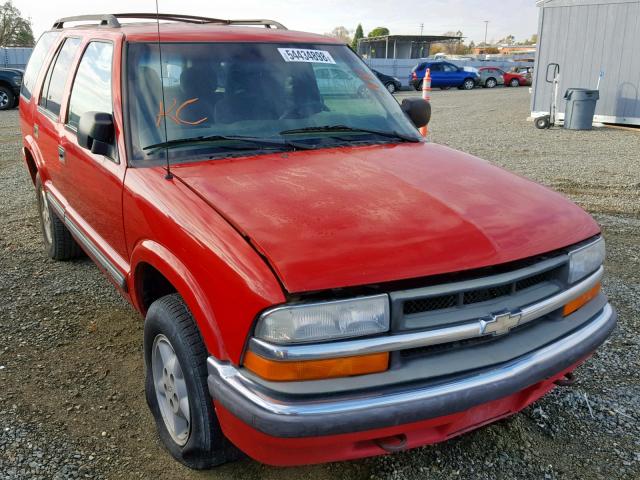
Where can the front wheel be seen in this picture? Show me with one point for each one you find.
(391, 87)
(176, 387)
(490, 83)
(468, 84)
(514, 82)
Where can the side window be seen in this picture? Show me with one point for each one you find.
(91, 89)
(54, 83)
(436, 67)
(35, 62)
(449, 68)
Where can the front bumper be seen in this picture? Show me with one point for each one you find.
(299, 418)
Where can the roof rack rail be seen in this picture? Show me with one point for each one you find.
(111, 20)
(107, 19)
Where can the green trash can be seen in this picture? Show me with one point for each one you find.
(581, 106)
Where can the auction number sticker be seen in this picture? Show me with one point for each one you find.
(304, 55)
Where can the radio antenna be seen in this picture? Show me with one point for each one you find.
(168, 175)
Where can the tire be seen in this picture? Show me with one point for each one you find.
(468, 84)
(7, 98)
(491, 83)
(542, 122)
(198, 443)
(391, 87)
(514, 82)
(418, 86)
(58, 242)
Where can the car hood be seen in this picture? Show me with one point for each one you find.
(362, 215)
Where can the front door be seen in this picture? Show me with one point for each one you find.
(95, 201)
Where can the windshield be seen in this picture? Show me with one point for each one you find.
(222, 99)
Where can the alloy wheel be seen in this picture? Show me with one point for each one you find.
(171, 390)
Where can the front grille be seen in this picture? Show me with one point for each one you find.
(428, 304)
(470, 297)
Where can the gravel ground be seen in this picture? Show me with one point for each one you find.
(71, 370)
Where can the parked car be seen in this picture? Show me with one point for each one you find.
(10, 81)
(444, 75)
(392, 83)
(515, 79)
(490, 77)
(317, 281)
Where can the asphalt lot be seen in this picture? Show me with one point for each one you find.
(71, 369)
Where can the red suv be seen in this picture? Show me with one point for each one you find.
(318, 282)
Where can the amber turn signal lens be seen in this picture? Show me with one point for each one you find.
(282, 371)
(576, 303)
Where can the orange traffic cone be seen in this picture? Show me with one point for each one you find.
(426, 95)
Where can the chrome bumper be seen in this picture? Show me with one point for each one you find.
(302, 418)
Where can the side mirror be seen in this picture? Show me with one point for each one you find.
(418, 110)
(96, 132)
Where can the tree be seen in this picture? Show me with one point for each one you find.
(508, 40)
(531, 41)
(378, 32)
(357, 36)
(14, 30)
(454, 47)
(340, 33)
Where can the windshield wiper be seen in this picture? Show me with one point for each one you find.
(262, 142)
(345, 128)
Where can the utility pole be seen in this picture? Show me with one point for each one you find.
(486, 27)
(421, 28)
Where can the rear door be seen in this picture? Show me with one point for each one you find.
(437, 75)
(47, 126)
(96, 198)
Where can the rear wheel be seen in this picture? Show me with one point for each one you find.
(514, 82)
(7, 98)
(491, 82)
(58, 242)
(468, 84)
(418, 86)
(176, 387)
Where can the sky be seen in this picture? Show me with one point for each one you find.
(516, 17)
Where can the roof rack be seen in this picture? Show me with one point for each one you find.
(111, 20)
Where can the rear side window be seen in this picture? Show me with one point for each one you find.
(54, 83)
(35, 62)
(91, 89)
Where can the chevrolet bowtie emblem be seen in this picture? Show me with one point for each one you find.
(500, 323)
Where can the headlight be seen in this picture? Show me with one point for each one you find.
(325, 321)
(18, 79)
(586, 260)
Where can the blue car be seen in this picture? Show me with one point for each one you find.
(444, 75)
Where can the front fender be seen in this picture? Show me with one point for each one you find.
(174, 270)
(223, 280)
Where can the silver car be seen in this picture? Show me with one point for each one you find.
(490, 77)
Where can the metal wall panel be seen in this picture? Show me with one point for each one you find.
(586, 38)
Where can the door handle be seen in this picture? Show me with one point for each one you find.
(61, 153)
